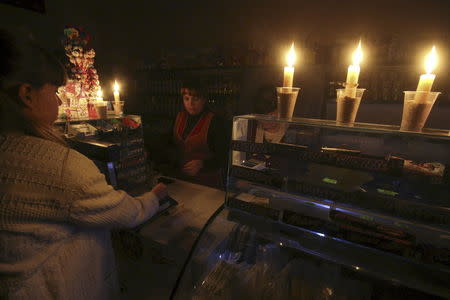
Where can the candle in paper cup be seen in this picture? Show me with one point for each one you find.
(286, 99)
(415, 114)
(426, 80)
(99, 97)
(353, 71)
(289, 69)
(118, 107)
(116, 92)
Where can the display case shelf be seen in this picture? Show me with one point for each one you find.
(110, 116)
(356, 127)
(116, 145)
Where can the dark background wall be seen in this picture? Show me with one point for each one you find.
(131, 34)
(126, 33)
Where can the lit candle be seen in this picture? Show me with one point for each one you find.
(116, 92)
(426, 80)
(353, 73)
(289, 69)
(99, 97)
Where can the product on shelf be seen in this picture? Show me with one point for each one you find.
(116, 145)
(302, 220)
(254, 208)
(217, 283)
(427, 169)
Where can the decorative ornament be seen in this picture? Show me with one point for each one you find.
(83, 83)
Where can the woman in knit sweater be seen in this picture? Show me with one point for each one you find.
(56, 209)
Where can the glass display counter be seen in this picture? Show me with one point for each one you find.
(315, 210)
(116, 145)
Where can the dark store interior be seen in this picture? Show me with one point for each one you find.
(316, 206)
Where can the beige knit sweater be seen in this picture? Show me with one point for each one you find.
(56, 210)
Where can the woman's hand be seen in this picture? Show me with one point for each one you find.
(192, 167)
(160, 190)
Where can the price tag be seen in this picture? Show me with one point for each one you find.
(329, 180)
(367, 218)
(387, 192)
(401, 225)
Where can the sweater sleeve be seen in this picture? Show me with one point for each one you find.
(97, 204)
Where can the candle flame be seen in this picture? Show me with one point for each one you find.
(99, 93)
(116, 86)
(431, 61)
(357, 55)
(290, 57)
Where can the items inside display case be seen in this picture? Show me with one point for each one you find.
(367, 184)
(252, 259)
(347, 163)
(116, 145)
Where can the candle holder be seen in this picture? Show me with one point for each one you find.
(347, 106)
(101, 108)
(416, 108)
(287, 97)
(118, 107)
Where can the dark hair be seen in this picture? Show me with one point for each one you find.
(198, 86)
(22, 60)
(265, 100)
(25, 61)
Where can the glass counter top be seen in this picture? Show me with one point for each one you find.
(355, 127)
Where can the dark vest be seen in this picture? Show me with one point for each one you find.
(195, 146)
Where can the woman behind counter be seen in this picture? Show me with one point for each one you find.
(56, 209)
(200, 137)
(265, 103)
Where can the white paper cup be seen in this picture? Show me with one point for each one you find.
(416, 109)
